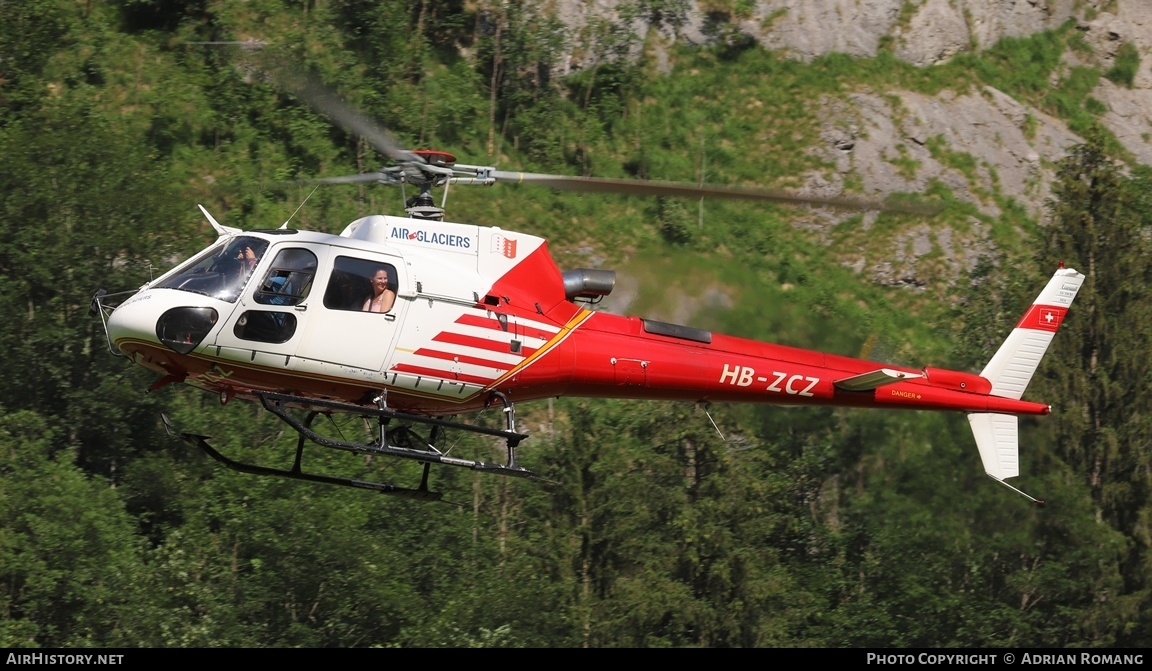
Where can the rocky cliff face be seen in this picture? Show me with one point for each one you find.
(923, 32)
(1013, 144)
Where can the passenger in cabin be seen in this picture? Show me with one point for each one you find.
(382, 296)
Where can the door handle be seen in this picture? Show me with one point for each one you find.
(302, 307)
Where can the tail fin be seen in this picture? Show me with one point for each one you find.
(1011, 369)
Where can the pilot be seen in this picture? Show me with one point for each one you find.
(382, 297)
(247, 259)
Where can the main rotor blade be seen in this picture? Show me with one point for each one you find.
(294, 78)
(689, 190)
(324, 101)
(350, 179)
(246, 45)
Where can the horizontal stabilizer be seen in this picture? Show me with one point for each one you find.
(874, 379)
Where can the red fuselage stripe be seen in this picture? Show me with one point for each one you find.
(479, 343)
(461, 358)
(520, 329)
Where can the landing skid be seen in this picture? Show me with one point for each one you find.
(399, 441)
(421, 493)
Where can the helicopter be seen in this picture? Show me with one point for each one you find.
(478, 316)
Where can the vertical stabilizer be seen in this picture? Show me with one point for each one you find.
(1011, 369)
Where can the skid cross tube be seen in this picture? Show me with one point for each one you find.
(510, 419)
(278, 405)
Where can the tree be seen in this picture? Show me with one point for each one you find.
(1101, 364)
(70, 562)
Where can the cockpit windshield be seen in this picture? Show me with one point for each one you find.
(222, 271)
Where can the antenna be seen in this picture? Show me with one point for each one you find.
(285, 224)
(704, 406)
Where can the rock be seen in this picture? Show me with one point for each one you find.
(984, 145)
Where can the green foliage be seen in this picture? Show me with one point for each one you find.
(905, 165)
(960, 161)
(1100, 225)
(675, 222)
(30, 35)
(74, 225)
(1124, 68)
(1070, 99)
(667, 531)
(70, 563)
(1020, 66)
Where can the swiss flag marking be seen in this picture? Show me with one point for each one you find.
(1043, 317)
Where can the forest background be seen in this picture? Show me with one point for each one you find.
(784, 528)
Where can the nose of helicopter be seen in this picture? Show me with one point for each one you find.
(160, 318)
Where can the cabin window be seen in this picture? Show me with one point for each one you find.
(222, 271)
(351, 286)
(265, 326)
(289, 278)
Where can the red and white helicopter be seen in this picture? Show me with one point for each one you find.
(479, 315)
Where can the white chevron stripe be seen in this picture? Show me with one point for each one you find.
(449, 367)
(495, 336)
(529, 323)
(508, 358)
